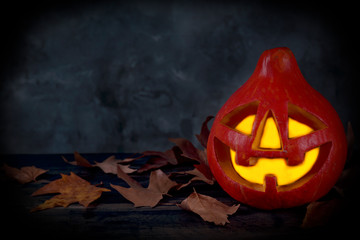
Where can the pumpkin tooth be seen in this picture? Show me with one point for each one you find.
(253, 161)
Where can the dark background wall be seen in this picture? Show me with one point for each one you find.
(123, 76)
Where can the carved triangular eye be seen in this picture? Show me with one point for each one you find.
(301, 122)
(246, 125)
(242, 118)
(298, 129)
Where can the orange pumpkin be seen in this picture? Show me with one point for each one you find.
(277, 142)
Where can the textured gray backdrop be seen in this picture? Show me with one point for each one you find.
(124, 76)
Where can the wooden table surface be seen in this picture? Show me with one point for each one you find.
(114, 217)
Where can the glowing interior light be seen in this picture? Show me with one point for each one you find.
(277, 166)
(245, 126)
(270, 137)
(298, 129)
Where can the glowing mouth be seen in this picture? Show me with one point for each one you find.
(276, 166)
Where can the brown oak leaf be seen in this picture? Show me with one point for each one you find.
(208, 208)
(72, 189)
(109, 165)
(159, 185)
(24, 174)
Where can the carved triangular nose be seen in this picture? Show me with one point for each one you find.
(270, 137)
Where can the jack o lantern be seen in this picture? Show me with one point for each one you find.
(277, 142)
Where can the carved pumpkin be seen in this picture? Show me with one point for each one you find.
(277, 142)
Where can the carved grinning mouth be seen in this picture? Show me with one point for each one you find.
(275, 166)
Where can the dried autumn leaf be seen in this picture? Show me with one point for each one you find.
(197, 176)
(160, 159)
(183, 152)
(159, 184)
(320, 213)
(187, 148)
(24, 174)
(79, 161)
(203, 167)
(154, 162)
(109, 165)
(72, 189)
(169, 155)
(208, 208)
(204, 134)
(190, 151)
